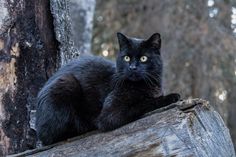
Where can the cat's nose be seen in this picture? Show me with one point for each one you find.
(132, 67)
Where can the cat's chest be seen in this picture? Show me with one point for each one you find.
(157, 92)
(139, 93)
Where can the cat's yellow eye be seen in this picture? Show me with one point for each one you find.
(127, 58)
(143, 58)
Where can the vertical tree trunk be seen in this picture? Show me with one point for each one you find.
(35, 39)
(62, 28)
(81, 13)
(73, 22)
(27, 59)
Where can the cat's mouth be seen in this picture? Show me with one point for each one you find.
(134, 77)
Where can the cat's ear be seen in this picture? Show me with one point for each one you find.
(154, 41)
(123, 41)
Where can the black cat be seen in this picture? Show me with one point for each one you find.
(94, 93)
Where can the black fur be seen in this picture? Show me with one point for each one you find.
(94, 93)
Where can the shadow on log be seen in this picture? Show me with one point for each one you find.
(186, 128)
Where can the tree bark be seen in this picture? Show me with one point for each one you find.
(35, 39)
(81, 13)
(28, 57)
(73, 23)
(186, 128)
(63, 32)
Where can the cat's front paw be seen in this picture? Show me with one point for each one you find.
(173, 97)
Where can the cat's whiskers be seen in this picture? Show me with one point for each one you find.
(156, 78)
(117, 80)
(147, 81)
(152, 79)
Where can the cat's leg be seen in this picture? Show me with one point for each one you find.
(116, 113)
(83, 125)
(114, 117)
(56, 111)
(166, 100)
(151, 104)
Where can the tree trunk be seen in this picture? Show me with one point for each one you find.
(187, 128)
(35, 39)
(81, 13)
(73, 22)
(62, 28)
(28, 57)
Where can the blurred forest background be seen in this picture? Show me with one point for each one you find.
(39, 36)
(198, 44)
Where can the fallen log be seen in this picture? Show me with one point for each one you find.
(187, 128)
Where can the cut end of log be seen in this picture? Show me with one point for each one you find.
(186, 128)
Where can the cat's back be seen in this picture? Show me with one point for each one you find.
(86, 67)
(91, 71)
(93, 65)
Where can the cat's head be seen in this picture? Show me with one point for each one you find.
(139, 59)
